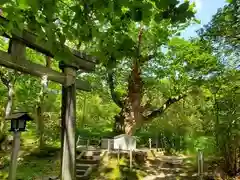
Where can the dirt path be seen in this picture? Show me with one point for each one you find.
(170, 168)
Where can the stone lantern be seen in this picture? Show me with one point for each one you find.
(18, 121)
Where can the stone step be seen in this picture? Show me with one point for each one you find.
(80, 172)
(90, 158)
(87, 161)
(87, 157)
(92, 153)
(83, 166)
(80, 177)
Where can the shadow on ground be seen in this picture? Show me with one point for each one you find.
(149, 169)
(34, 164)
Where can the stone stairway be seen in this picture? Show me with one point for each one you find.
(86, 162)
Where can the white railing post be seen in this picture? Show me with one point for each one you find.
(150, 143)
(118, 154)
(131, 158)
(87, 143)
(200, 164)
(108, 149)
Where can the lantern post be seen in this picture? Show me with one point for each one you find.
(18, 124)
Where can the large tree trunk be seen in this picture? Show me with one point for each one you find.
(124, 123)
(40, 107)
(9, 105)
(8, 109)
(131, 115)
(118, 126)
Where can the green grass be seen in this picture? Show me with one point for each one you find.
(33, 164)
(113, 170)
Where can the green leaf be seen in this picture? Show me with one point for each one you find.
(3, 2)
(137, 14)
(228, 17)
(173, 3)
(158, 17)
(33, 4)
(23, 4)
(166, 14)
(62, 38)
(147, 12)
(183, 7)
(162, 4)
(63, 55)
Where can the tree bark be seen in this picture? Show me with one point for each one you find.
(10, 99)
(130, 116)
(68, 146)
(9, 105)
(40, 106)
(118, 127)
(8, 110)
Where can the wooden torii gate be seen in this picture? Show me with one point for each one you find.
(15, 59)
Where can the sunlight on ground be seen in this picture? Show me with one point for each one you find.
(112, 169)
(32, 163)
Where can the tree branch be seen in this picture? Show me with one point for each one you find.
(114, 95)
(164, 107)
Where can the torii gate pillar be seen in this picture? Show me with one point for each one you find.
(68, 123)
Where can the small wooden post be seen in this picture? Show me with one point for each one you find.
(162, 141)
(150, 143)
(87, 143)
(200, 164)
(13, 163)
(118, 154)
(131, 158)
(109, 147)
(68, 163)
(157, 142)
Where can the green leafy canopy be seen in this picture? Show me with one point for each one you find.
(110, 25)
